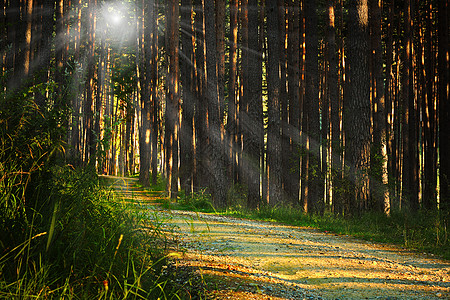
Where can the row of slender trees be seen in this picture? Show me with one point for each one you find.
(330, 105)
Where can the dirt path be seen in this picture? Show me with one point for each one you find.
(257, 260)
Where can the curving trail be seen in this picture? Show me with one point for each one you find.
(259, 260)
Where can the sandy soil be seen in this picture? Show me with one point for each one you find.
(259, 260)
(245, 259)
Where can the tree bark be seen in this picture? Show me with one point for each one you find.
(444, 103)
(273, 85)
(216, 150)
(357, 108)
(379, 191)
(313, 201)
(410, 184)
(173, 97)
(188, 107)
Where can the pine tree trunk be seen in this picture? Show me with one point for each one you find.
(379, 192)
(216, 150)
(333, 92)
(273, 85)
(410, 188)
(145, 85)
(253, 111)
(187, 72)
(357, 108)
(293, 171)
(232, 129)
(313, 202)
(173, 98)
(444, 103)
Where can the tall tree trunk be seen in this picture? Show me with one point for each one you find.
(90, 143)
(173, 99)
(380, 193)
(145, 43)
(293, 171)
(220, 45)
(154, 119)
(243, 94)
(313, 202)
(444, 102)
(188, 108)
(216, 150)
(283, 11)
(430, 163)
(232, 127)
(357, 107)
(252, 111)
(200, 170)
(273, 86)
(333, 93)
(389, 83)
(410, 183)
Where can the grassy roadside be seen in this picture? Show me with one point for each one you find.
(422, 232)
(81, 241)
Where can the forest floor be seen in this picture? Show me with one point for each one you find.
(245, 259)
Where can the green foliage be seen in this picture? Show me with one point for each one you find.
(61, 234)
(236, 197)
(85, 245)
(423, 231)
(198, 201)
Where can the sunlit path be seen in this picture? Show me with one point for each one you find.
(246, 259)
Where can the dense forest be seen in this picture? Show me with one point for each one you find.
(335, 106)
(332, 109)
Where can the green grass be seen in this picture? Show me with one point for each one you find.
(84, 242)
(422, 231)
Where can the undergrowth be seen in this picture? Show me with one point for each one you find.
(83, 243)
(63, 235)
(421, 231)
(424, 231)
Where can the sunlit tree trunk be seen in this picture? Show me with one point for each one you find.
(333, 94)
(26, 51)
(75, 152)
(200, 174)
(173, 97)
(188, 108)
(379, 191)
(389, 100)
(232, 126)
(357, 108)
(429, 116)
(90, 143)
(62, 43)
(154, 116)
(274, 119)
(220, 45)
(216, 150)
(144, 51)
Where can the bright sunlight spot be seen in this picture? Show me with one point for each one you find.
(116, 23)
